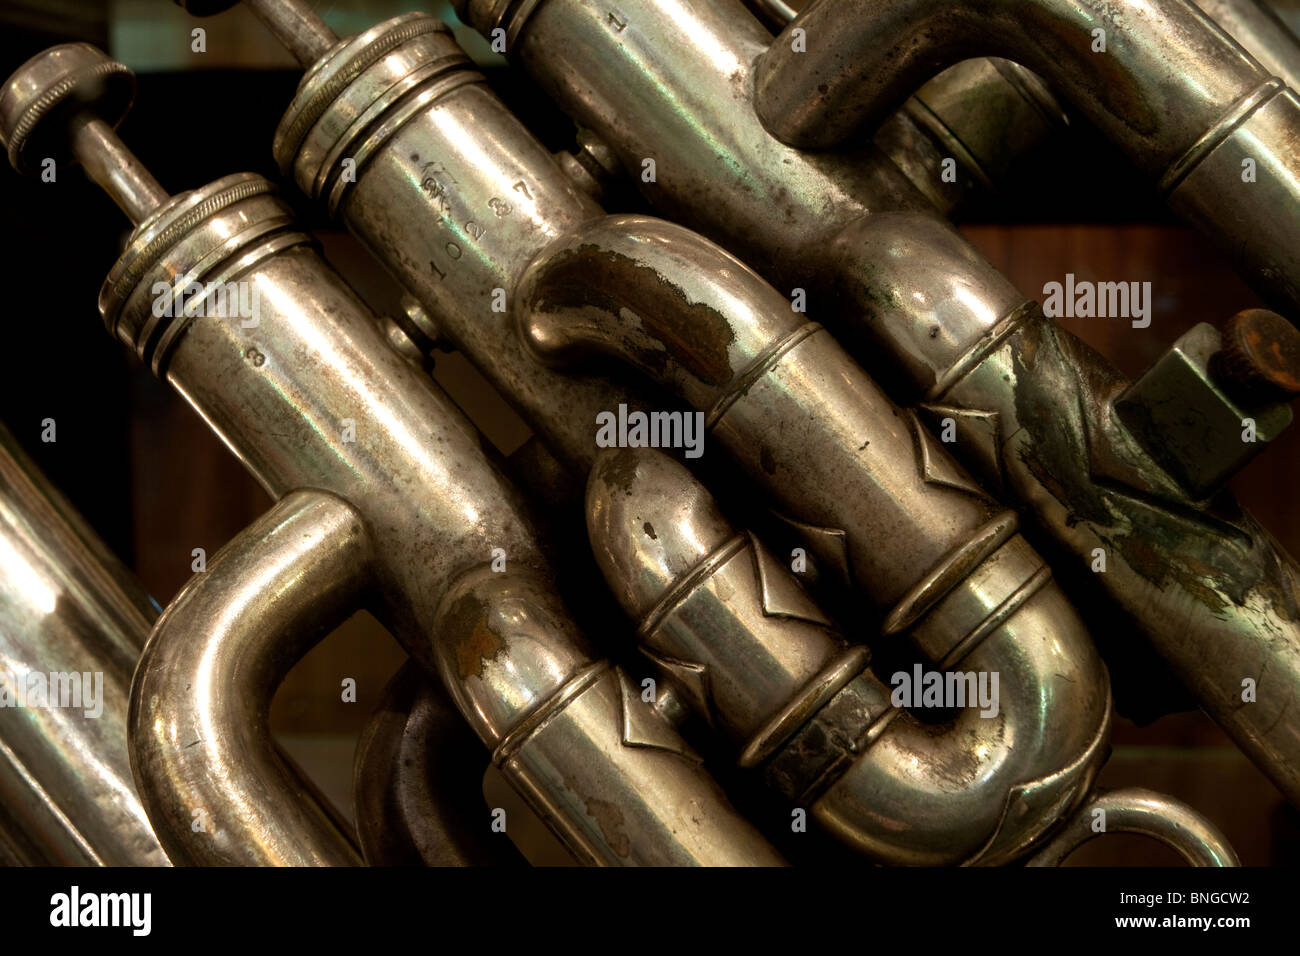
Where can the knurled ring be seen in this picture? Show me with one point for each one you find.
(51, 98)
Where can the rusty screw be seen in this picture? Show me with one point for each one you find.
(1260, 358)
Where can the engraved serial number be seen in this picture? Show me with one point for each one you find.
(436, 180)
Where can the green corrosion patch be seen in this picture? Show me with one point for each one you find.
(1053, 414)
(693, 335)
(475, 641)
(1217, 557)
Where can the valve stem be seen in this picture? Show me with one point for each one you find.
(64, 104)
(114, 168)
(296, 25)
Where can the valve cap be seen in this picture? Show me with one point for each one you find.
(43, 94)
(1261, 356)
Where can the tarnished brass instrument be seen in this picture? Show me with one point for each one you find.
(960, 526)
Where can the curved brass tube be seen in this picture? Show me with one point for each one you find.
(1259, 32)
(666, 299)
(447, 188)
(633, 791)
(310, 393)
(924, 311)
(416, 782)
(873, 494)
(978, 793)
(216, 787)
(730, 625)
(775, 12)
(1137, 810)
(1034, 413)
(487, 195)
(436, 505)
(987, 114)
(67, 608)
(1169, 87)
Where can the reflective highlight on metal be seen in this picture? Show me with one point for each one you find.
(67, 607)
(873, 493)
(1035, 415)
(674, 85)
(386, 501)
(1161, 79)
(312, 396)
(983, 113)
(609, 775)
(911, 298)
(1136, 810)
(400, 138)
(728, 624)
(201, 747)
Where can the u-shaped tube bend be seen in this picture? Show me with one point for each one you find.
(201, 750)
(979, 790)
(1160, 79)
(728, 622)
(877, 499)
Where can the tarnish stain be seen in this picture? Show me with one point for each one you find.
(476, 641)
(693, 334)
(618, 470)
(481, 645)
(1161, 546)
(610, 820)
(1144, 556)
